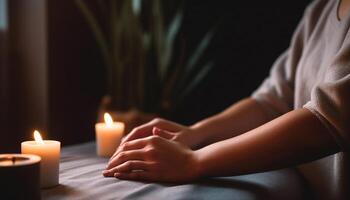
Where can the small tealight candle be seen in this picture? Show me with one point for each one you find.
(49, 151)
(108, 136)
(19, 176)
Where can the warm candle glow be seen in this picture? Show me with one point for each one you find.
(108, 119)
(108, 135)
(37, 137)
(49, 152)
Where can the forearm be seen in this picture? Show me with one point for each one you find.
(241, 117)
(288, 140)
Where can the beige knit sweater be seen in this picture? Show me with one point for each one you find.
(314, 73)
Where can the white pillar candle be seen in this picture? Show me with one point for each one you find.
(108, 136)
(49, 151)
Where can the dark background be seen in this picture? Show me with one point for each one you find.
(250, 36)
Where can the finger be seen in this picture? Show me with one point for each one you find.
(139, 132)
(131, 145)
(125, 156)
(136, 175)
(146, 129)
(168, 125)
(131, 165)
(163, 133)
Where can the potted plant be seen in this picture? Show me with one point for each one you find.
(147, 71)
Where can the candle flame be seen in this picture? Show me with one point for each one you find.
(108, 119)
(37, 137)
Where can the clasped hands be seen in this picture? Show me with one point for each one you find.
(157, 151)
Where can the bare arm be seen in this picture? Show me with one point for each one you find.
(239, 118)
(291, 139)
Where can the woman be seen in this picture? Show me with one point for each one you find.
(300, 113)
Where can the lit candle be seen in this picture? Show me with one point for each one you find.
(19, 176)
(49, 151)
(108, 136)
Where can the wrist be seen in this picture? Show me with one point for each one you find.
(197, 166)
(201, 131)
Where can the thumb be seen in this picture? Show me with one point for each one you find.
(162, 133)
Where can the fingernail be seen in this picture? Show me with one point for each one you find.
(105, 171)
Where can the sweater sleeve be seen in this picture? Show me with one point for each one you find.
(330, 100)
(276, 93)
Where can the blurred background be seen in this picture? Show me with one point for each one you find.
(63, 63)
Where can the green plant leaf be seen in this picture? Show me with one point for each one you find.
(192, 65)
(196, 80)
(158, 34)
(127, 53)
(138, 53)
(172, 32)
(136, 7)
(203, 45)
(97, 31)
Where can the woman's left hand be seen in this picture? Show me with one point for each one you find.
(154, 158)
